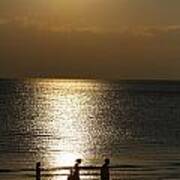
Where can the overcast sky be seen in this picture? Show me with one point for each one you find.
(134, 39)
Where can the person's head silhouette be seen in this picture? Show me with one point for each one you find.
(78, 161)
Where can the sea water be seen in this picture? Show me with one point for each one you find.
(134, 123)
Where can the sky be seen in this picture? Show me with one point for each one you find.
(109, 39)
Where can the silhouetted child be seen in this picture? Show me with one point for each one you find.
(76, 169)
(105, 170)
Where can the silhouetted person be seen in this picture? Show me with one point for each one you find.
(38, 171)
(76, 169)
(105, 170)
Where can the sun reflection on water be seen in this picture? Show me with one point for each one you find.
(70, 116)
(57, 121)
(65, 158)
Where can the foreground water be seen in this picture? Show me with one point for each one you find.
(135, 124)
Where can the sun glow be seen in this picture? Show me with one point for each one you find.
(69, 119)
(66, 159)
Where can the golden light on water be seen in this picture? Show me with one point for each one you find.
(57, 122)
(69, 119)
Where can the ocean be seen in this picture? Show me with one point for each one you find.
(136, 124)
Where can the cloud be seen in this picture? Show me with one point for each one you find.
(37, 47)
(46, 25)
(4, 21)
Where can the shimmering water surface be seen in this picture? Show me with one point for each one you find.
(135, 124)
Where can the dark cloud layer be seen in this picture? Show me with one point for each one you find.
(139, 53)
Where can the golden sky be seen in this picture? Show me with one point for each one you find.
(134, 39)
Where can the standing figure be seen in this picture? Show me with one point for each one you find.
(38, 171)
(105, 170)
(76, 169)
